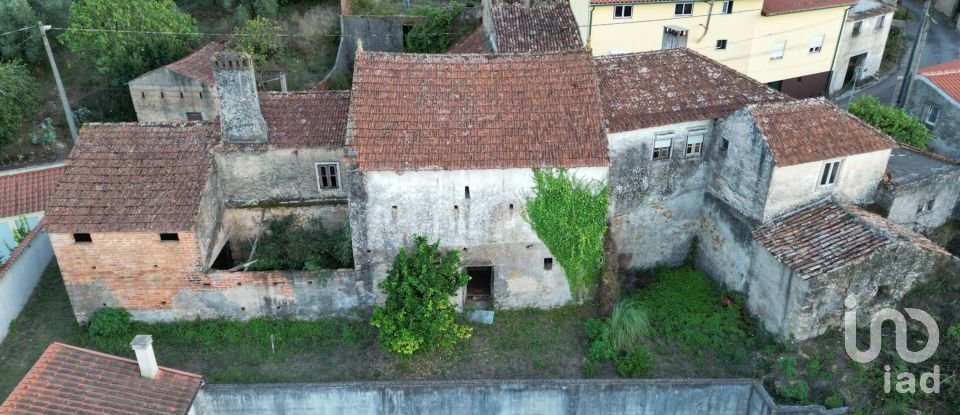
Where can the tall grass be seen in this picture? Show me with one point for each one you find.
(629, 324)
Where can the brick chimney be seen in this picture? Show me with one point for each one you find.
(143, 346)
(240, 117)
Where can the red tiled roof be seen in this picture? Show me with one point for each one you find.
(454, 112)
(28, 191)
(475, 42)
(133, 177)
(811, 130)
(946, 76)
(542, 27)
(819, 239)
(199, 64)
(630, 1)
(305, 119)
(649, 89)
(72, 380)
(774, 7)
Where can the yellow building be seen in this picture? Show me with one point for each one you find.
(788, 44)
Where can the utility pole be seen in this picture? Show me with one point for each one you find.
(56, 76)
(914, 62)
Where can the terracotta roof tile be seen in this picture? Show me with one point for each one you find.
(811, 130)
(199, 64)
(72, 380)
(305, 119)
(133, 177)
(649, 89)
(880, 9)
(819, 239)
(455, 112)
(475, 42)
(773, 7)
(946, 76)
(542, 27)
(27, 191)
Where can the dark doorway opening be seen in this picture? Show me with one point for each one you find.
(855, 69)
(479, 288)
(224, 260)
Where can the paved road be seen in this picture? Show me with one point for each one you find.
(943, 44)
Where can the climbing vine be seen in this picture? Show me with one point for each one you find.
(570, 217)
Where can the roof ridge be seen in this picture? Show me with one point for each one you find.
(124, 359)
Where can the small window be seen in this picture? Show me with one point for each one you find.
(169, 237)
(143, 94)
(622, 12)
(466, 192)
(830, 172)
(548, 264)
(328, 176)
(181, 95)
(930, 114)
(776, 51)
(161, 95)
(695, 143)
(727, 7)
(880, 21)
(201, 95)
(925, 207)
(722, 44)
(194, 116)
(661, 146)
(82, 237)
(683, 9)
(816, 45)
(856, 28)
(724, 145)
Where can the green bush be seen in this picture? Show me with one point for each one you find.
(340, 82)
(266, 8)
(260, 38)
(636, 363)
(25, 44)
(891, 120)
(44, 133)
(284, 246)
(601, 349)
(901, 14)
(789, 366)
(628, 325)
(895, 408)
(18, 101)
(591, 368)
(798, 392)
(109, 322)
(418, 315)
(834, 401)
(595, 329)
(432, 34)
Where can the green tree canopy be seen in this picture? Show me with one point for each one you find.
(260, 38)
(418, 315)
(18, 99)
(891, 120)
(126, 51)
(26, 44)
(432, 33)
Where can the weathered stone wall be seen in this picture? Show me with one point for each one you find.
(724, 244)
(166, 96)
(947, 130)
(655, 204)
(902, 202)
(387, 209)
(278, 177)
(741, 175)
(798, 185)
(240, 117)
(209, 217)
(775, 295)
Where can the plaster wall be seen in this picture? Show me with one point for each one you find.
(277, 177)
(902, 202)
(872, 40)
(20, 275)
(166, 96)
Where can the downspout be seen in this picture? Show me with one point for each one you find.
(590, 29)
(836, 49)
(707, 27)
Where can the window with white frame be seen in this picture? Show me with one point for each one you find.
(328, 176)
(776, 51)
(930, 114)
(683, 9)
(622, 11)
(661, 146)
(830, 174)
(816, 45)
(880, 21)
(695, 142)
(727, 7)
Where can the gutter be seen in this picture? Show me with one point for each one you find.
(836, 49)
(590, 28)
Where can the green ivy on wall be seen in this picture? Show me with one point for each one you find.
(570, 217)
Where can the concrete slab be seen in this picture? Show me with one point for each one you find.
(908, 166)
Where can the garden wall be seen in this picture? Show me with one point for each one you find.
(20, 274)
(608, 396)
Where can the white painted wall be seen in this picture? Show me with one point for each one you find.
(871, 41)
(794, 186)
(20, 278)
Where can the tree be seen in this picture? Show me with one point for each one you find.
(26, 44)
(432, 34)
(891, 120)
(418, 315)
(18, 99)
(141, 35)
(260, 38)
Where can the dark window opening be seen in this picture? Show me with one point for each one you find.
(683, 9)
(194, 116)
(480, 287)
(169, 237)
(724, 145)
(722, 44)
(856, 28)
(181, 95)
(82, 237)
(511, 206)
(161, 94)
(143, 94)
(883, 293)
(224, 259)
(727, 7)
(622, 12)
(926, 206)
(201, 95)
(466, 192)
(328, 176)
(548, 264)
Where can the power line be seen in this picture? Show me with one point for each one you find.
(18, 30)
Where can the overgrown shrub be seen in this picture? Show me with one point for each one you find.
(340, 82)
(570, 216)
(260, 38)
(798, 392)
(891, 120)
(266, 8)
(109, 322)
(635, 363)
(285, 246)
(418, 315)
(591, 368)
(834, 401)
(20, 230)
(628, 325)
(789, 366)
(433, 33)
(44, 133)
(18, 101)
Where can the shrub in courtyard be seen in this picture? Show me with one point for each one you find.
(285, 246)
(891, 120)
(635, 363)
(109, 322)
(418, 315)
(834, 401)
(432, 34)
(628, 325)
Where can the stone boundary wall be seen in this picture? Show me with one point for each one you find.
(20, 274)
(527, 397)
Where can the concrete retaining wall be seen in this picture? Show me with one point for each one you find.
(527, 397)
(20, 274)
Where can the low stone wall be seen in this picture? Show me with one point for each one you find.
(527, 397)
(19, 275)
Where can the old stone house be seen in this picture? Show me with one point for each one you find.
(445, 146)
(181, 91)
(921, 189)
(862, 42)
(935, 100)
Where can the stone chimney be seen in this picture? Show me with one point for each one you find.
(143, 346)
(240, 117)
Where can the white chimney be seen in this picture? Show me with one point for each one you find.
(143, 346)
